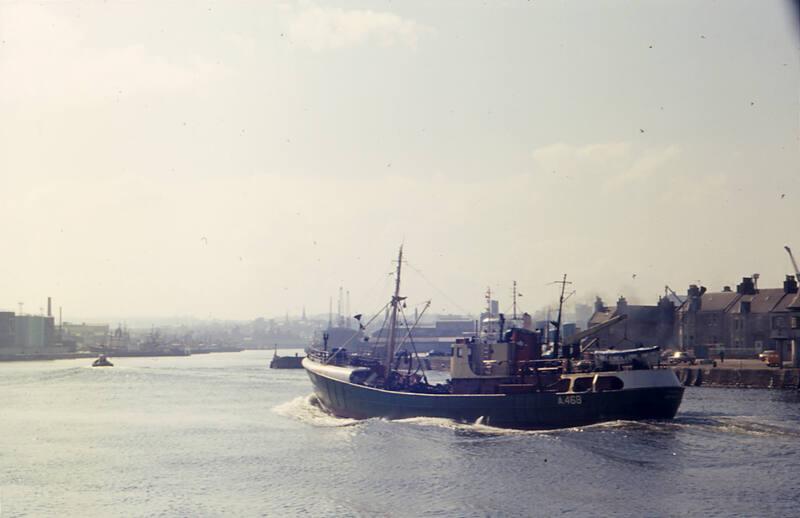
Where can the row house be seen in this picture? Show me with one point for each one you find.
(742, 322)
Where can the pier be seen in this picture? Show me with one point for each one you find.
(739, 374)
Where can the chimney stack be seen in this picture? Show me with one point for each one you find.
(49, 307)
(790, 284)
(747, 287)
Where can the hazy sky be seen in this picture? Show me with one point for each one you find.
(239, 159)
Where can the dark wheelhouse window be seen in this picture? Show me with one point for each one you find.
(561, 385)
(582, 384)
(608, 383)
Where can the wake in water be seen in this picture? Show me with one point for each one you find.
(308, 409)
(708, 424)
(41, 376)
(738, 426)
(477, 428)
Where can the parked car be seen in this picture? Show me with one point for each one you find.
(772, 359)
(764, 354)
(679, 357)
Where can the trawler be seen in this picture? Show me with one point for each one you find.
(499, 378)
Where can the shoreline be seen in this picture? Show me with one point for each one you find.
(85, 355)
(775, 378)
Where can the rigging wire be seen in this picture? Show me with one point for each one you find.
(340, 349)
(383, 327)
(442, 293)
(370, 294)
(411, 339)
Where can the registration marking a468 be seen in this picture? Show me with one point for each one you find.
(570, 400)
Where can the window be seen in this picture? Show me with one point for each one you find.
(562, 385)
(582, 384)
(608, 383)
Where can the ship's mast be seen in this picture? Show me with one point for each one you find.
(393, 316)
(557, 336)
(514, 298)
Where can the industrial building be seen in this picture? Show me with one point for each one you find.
(644, 325)
(28, 334)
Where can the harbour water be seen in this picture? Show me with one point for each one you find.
(223, 435)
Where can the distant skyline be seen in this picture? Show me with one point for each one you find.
(243, 159)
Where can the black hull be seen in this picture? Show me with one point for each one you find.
(286, 362)
(536, 411)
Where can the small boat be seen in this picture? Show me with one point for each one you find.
(102, 361)
(286, 362)
(504, 378)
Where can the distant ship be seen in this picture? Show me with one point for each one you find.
(285, 362)
(499, 379)
(119, 344)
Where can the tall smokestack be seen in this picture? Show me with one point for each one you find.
(339, 308)
(49, 307)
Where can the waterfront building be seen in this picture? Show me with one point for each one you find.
(438, 336)
(88, 335)
(742, 322)
(793, 314)
(7, 337)
(644, 325)
(33, 332)
(583, 313)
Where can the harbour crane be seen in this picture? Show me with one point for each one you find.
(580, 335)
(668, 290)
(794, 263)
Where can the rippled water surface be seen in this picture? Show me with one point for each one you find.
(222, 434)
